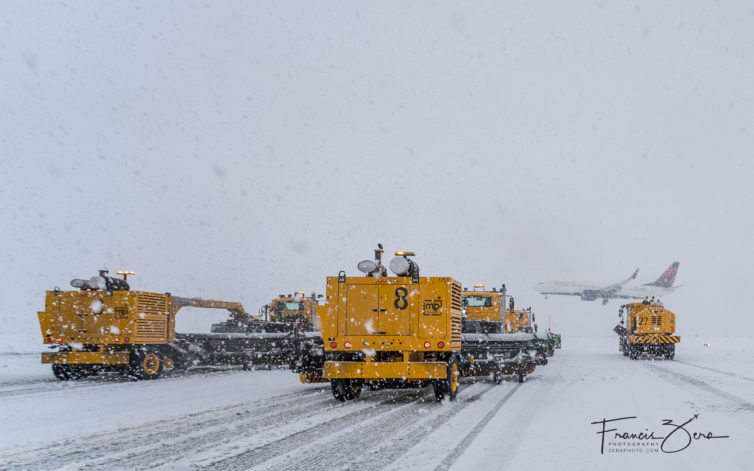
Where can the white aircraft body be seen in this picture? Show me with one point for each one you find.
(591, 291)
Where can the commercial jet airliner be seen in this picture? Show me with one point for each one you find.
(591, 291)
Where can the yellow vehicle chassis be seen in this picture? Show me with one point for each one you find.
(374, 371)
(85, 358)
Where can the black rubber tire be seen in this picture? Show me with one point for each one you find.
(63, 372)
(670, 354)
(439, 387)
(146, 363)
(521, 374)
(632, 354)
(454, 376)
(81, 371)
(497, 377)
(345, 389)
(448, 387)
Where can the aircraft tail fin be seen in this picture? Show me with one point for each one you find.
(667, 279)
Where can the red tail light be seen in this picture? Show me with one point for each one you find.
(427, 344)
(347, 344)
(333, 344)
(49, 339)
(440, 344)
(60, 339)
(126, 340)
(116, 339)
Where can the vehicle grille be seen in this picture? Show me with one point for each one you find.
(151, 329)
(455, 297)
(456, 323)
(455, 329)
(153, 304)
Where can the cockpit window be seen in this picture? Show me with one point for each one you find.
(289, 306)
(477, 301)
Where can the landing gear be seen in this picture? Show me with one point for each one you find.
(146, 363)
(345, 389)
(521, 374)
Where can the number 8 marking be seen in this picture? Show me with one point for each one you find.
(401, 302)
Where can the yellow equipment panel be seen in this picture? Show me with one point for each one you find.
(99, 317)
(392, 313)
(649, 319)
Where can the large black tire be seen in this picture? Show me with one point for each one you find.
(670, 352)
(632, 354)
(345, 389)
(146, 363)
(448, 387)
(497, 376)
(521, 374)
(83, 371)
(63, 372)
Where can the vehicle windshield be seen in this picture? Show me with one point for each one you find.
(477, 301)
(289, 306)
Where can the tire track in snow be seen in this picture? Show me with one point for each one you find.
(714, 370)
(302, 441)
(47, 387)
(150, 444)
(699, 384)
(386, 444)
(458, 450)
(380, 434)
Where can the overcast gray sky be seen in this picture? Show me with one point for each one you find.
(238, 150)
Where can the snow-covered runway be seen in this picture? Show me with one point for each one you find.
(268, 420)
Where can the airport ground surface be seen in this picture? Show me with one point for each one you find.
(263, 419)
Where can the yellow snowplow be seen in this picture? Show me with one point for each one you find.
(495, 340)
(648, 329)
(392, 331)
(105, 326)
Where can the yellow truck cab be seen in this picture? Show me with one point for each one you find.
(293, 308)
(493, 340)
(484, 305)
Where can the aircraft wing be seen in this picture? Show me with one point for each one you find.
(640, 292)
(609, 291)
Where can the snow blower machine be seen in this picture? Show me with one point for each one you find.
(496, 341)
(647, 330)
(105, 326)
(397, 331)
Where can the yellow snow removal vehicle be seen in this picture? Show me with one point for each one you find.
(106, 326)
(296, 308)
(489, 345)
(648, 330)
(385, 331)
